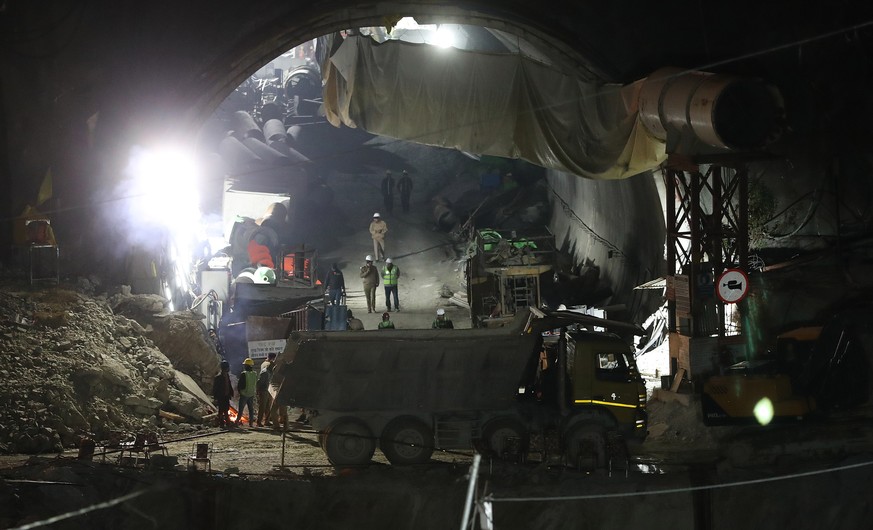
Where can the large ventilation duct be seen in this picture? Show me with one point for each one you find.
(720, 110)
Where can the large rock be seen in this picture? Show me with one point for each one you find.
(182, 337)
(142, 406)
(115, 373)
(186, 404)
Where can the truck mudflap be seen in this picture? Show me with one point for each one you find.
(640, 428)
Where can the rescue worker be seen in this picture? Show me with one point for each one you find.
(263, 389)
(246, 386)
(390, 276)
(222, 391)
(386, 322)
(404, 186)
(441, 321)
(378, 229)
(252, 245)
(388, 191)
(335, 285)
(355, 324)
(276, 219)
(370, 280)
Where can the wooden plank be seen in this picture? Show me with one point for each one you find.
(677, 380)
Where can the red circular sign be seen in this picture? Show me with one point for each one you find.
(732, 286)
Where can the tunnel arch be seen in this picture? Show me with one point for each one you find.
(291, 29)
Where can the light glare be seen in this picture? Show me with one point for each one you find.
(764, 411)
(444, 37)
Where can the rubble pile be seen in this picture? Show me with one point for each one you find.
(70, 366)
(181, 335)
(677, 418)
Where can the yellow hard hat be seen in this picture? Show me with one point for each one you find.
(249, 362)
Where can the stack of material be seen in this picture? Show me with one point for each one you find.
(460, 299)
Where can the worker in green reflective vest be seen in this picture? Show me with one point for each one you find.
(390, 275)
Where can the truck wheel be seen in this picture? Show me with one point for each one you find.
(506, 438)
(407, 441)
(585, 446)
(349, 442)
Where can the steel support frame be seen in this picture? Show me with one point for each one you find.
(707, 217)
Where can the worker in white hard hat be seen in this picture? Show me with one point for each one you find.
(378, 229)
(390, 277)
(370, 280)
(441, 321)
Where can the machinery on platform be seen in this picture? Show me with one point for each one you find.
(504, 272)
(413, 391)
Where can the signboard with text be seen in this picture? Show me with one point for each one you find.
(259, 349)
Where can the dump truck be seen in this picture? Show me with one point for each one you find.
(409, 392)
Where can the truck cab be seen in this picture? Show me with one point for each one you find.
(604, 376)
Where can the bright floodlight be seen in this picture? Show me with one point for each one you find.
(444, 37)
(161, 191)
(764, 411)
(164, 187)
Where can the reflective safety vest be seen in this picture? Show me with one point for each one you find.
(389, 277)
(386, 324)
(247, 389)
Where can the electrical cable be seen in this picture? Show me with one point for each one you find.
(688, 489)
(87, 509)
(573, 215)
(809, 214)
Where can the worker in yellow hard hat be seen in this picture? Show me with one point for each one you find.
(247, 385)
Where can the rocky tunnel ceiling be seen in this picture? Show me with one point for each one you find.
(81, 84)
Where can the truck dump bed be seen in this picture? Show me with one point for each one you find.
(415, 370)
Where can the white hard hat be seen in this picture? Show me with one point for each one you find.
(368, 258)
(265, 275)
(388, 260)
(441, 312)
(376, 214)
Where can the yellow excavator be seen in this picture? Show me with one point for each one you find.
(814, 371)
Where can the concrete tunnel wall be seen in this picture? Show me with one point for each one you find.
(617, 227)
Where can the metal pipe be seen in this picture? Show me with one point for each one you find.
(244, 126)
(720, 110)
(471, 489)
(274, 130)
(266, 153)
